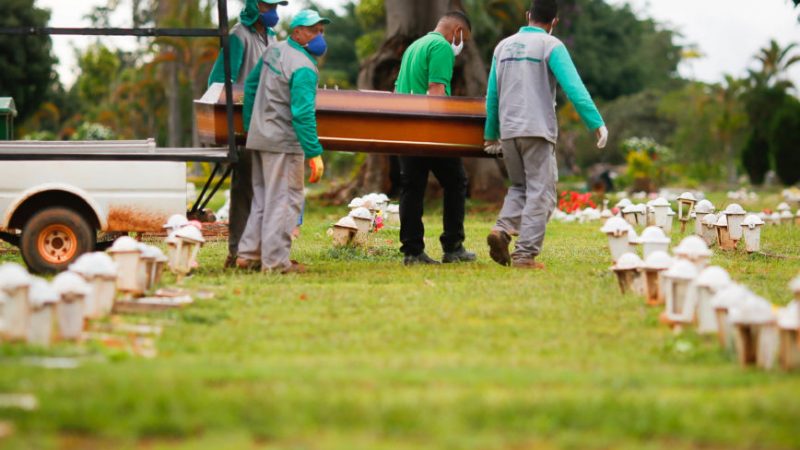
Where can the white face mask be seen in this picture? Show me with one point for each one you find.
(552, 26)
(457, 49)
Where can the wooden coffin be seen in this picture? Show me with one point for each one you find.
(368, 121)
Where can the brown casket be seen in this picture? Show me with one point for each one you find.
(368, 121)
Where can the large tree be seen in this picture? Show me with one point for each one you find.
(26, 61)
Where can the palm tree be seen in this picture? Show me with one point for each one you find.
(775, 63)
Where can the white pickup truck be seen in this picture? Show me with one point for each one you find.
(54, 208)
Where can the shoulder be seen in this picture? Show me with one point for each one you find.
(437, 41)
(240, 30)
(504, 42)
(552, 42)
(297, 58)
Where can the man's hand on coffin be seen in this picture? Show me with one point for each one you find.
(436, 89)
(493, 148)
(317, 169)
(602, 136)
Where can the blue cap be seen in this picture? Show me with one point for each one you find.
(307, 18)
(275, 2)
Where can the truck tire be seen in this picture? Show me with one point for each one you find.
(53, 238)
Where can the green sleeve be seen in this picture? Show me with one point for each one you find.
(567, 75)
(440, 65)
(492, 130)
(303, 87)
(217, 74)
(250, 89)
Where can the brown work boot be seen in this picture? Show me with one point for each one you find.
(296, 267)
(527, 263)
(250, 265)
(498, 247)
(230, 262)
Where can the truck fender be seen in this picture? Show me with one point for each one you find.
(78, 192)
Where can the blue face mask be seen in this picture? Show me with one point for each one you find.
(270, 18)
(317, 46)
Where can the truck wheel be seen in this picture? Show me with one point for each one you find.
(53, 238)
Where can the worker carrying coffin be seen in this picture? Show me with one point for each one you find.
(248, 40)
(427, 67)
(521, 123)
(279, 113)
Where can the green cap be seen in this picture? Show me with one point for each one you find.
(307, 18)
(275, 2)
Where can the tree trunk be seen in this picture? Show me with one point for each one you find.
(732, 176)
(406, 21)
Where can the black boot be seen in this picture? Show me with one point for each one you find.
(422, 258)
(460, 255)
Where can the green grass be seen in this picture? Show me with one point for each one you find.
(363, 353)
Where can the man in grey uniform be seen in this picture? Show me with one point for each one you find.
(521, 123)
(248, 40)
(280, 110)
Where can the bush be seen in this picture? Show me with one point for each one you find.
(784, 142)
(649, 164)
(93, 132)
(755, 158)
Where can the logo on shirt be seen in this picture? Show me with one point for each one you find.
(515, 50)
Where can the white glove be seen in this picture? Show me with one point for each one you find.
(494, 149)
(602, 136)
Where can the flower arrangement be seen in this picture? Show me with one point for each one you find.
(571, 201)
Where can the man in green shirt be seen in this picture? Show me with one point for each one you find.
(248, 40)
(427, 69)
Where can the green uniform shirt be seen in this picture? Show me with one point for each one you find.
(429, 59)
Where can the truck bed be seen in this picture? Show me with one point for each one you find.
(138, 150)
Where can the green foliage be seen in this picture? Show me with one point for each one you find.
(368, 43)
(26, 61)
(93, 132)
(785, 141)
(765, 95)
(40, 136)
(648, 162)
(627, 117)
(371, 14)
(341, 61)
(617, 54)
(335, 78)
(755, 158)
(98, 67)
(710, 126)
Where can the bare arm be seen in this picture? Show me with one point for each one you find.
(436, 89)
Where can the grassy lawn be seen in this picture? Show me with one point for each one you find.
(363, 353)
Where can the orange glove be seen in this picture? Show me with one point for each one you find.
(317, 169)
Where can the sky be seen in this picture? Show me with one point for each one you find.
(727, 32)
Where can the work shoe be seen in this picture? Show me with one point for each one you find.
(250, 265)
(498, 247)
(460, 255)
(230, 262)
(528, 263)
(422, 258)
(296, 267)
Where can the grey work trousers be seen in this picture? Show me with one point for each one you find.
(531, 199)
(241, 199)
(277, 200)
